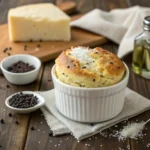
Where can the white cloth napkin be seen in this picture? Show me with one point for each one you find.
(118, 25)
(134, 105)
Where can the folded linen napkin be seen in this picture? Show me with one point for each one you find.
(118, 25)
(134, 105)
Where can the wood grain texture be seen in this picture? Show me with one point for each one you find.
(68, 7)
(144, 3)
(108, 5)
(48, 50)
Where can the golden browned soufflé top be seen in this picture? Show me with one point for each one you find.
(91, 68)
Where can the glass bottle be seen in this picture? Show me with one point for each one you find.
(141, 53)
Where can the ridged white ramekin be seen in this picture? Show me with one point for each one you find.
(90, 104)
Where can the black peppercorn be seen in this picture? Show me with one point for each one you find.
(32, 128)
(17, 122)
(10, 115)
(7, 86)
(51, 133)
(38, 45)
(2, 121)
(83, 67)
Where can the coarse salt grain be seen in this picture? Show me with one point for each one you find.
(128, 147)
(132, 130)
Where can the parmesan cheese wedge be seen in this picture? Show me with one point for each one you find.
(37, 22)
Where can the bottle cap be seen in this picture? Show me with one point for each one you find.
(146, 23)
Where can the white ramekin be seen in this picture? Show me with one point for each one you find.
(20, 78)
(90, 104)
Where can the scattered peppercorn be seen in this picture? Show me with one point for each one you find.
(2, 121)
(68, 66)
(74, 65)
(38, 45)
(101, 75)
(40, 40)
(17, 122)
(8, 54)
(111, 62)
(10, 115)
(25, 47)
(5, 50)
(51, 133)
(31, 40)
(10, 48)
(119, 67)
(7, 86)
(94, 80)
(32, 128)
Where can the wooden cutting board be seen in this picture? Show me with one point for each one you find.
(48, 50)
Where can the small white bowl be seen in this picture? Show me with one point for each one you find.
(20, 78)
(90, 104)
(41, 102)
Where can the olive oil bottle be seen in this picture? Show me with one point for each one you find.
(141, 53)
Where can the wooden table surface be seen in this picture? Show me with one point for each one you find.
(15, 136)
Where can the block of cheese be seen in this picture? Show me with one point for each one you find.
(37, 22)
